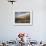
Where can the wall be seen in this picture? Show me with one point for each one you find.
(9, 31)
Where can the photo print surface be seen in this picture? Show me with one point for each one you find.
(23, 17)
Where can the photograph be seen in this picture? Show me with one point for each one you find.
(23, 18)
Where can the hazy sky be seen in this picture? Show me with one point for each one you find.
(20, 13)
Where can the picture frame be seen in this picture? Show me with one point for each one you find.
(23, 18)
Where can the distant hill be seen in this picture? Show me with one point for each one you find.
(22, 19)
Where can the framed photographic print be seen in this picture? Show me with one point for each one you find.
(23, 18)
